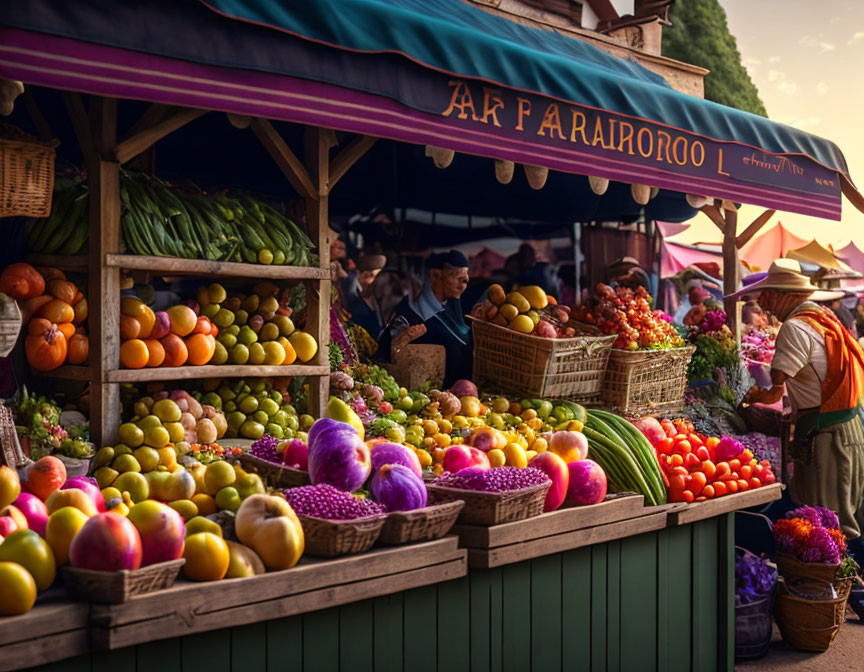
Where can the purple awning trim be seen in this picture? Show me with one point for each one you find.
(66, 64)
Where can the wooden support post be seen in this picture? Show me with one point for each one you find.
(355, 151)
(135, 145)
(713, 213)
(103, 284)
(288, 163)
(318, 226)
(753, 229)
(730, 272)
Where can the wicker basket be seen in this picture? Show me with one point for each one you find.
(493, 508)
(810, 625)
(11, 453)
(329, 538)
(277, 475)
(426, 524)
(26, 174)
(647, 381)
(533, 366)
(10, 326)
(117, 587)
(794, 570)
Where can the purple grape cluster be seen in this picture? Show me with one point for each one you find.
(325, 501)
(266, 449)
(496, 479)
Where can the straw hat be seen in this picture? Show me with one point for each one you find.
(785, 276)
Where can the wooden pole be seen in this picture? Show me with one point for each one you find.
(318, 226)
(103, 284)
(730, 272)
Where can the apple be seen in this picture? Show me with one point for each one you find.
(107, 542)
(161, 529)
(61, 529)
(34, 511)
(202, 524)
(71, 497)
(89, 487)
(269, 526)
(11, 520)
(228, 499)
(10, 486)
(556, 469)
(462, 456)
(32, 552)
(570, 446)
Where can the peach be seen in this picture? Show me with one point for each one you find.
(161, 529)
(556, 469)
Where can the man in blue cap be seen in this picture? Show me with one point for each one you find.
(435, 316)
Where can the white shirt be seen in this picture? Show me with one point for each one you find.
(801, 355)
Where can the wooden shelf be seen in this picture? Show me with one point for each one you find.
(62, 261)
(212, 371)
(53, 630)
(692, 513)
(174, 266)
(66, 373)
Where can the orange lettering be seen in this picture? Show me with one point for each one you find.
(598, 133)
(643, 132)
(720, 170)
(693, 147)
(491, 104)
(460, 100)
(551, 121)
(579, 122)
(683, 161)
(660, 144)
(524, 110)
(626, 138)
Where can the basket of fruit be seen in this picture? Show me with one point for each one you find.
(526, 345)
(283, 464)
(493, 496)
(119, 586)
(335, 522)
(426, 524)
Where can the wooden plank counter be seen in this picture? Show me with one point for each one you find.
(312, 585)
(692, 513)
(52, 630)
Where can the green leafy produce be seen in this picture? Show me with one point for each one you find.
(712, 352)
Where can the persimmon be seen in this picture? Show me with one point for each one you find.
(201, 348)
(156, 352)
(130, 327)
(134, 354)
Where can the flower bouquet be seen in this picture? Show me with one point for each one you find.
(810, 544)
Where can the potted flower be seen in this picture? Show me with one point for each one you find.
(755, 583)
(810, 544)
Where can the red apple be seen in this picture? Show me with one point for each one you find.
(89, 487)
(162, 531)
(587, 483)
(11, 520)
(556, 469)
(462, 456)
(34, 511)
(108, 542)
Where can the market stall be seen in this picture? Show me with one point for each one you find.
(504, 586)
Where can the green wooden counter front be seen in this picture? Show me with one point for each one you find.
(656, 601)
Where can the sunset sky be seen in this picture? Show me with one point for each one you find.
(807, 60)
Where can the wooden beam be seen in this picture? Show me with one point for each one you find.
(504, 171)
(731, 272)
(441, 157)
(537, 176)
(754, 228)
(81, 125)
(355, 151)
(641, 193)
(598, 185)
(149, 118)
(135, 145)
(714, 214)
(43, 128)
(318, 225)
(288, 163)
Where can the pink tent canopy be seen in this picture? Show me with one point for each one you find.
(676, 257)
(852, 256)
(771, 245)
(669, 229)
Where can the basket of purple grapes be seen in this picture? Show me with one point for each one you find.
(335, 522)
(282, 464)
(493, 496)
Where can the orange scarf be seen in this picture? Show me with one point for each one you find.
(843, 386)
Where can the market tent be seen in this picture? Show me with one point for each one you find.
(675, 257)
(852, 256)
(669, 229)
(771, 245)
(814, 253)
(438, 73)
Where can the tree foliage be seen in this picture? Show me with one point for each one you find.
(700, 36)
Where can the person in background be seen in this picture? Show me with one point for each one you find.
(821, 367)
(697, 296)
(847, 319)
(360, 299)
(619, 269)
(753, 315)
(435, 316)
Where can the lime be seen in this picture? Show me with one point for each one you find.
(269, 406)
(248, 404)
(239, 354)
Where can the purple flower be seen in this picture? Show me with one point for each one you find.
(754, 577)
(818, 516)
(822, 548)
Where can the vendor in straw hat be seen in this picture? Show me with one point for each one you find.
(822, 368)
(359, 296)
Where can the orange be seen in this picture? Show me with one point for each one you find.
(17, 588)
(205, 503)
(134, 354)
(155, 351)
(200, 348)
(207, 557)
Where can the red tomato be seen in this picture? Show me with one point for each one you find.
(746, 471)
(709, 469)
(746, 455)
(688, 496)
(731, 486)
(691, 461)
(676, 460)
(702, 453)
(701, 498)
(683, 446)
(680, 437)
(722, 470)
(719, 488)
(742, 484)
(708, 491)
(696, 441)
(697, 482)
(768, 477)
(765, 463)
(755, 483)
(665, 446)
(734, 465)
(676, 482)
(679, 471)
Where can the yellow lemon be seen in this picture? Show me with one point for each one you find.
(207, 557)
(18, 589)
(304, 345)
(515, 455)
(497, 458)
(522, 323)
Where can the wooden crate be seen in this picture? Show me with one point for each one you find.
(646, 381)
(690, 513)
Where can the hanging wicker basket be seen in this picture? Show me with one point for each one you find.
(11, 453)
(10, 324)
(26, 174)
